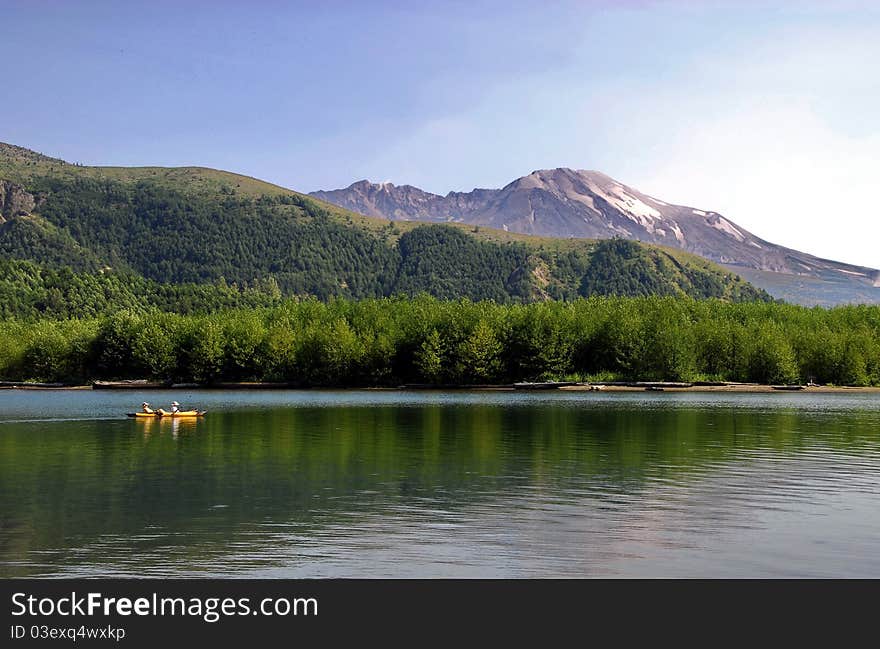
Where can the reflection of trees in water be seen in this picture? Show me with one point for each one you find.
(65, 486)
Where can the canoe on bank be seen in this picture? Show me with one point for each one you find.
(138, 384)
(549, 385)
(163, 414)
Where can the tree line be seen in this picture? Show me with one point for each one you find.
(389, 341)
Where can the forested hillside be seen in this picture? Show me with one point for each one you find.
(569, 203)
(162, 232)
(199, 275)
(30, 291)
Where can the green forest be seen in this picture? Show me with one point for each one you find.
(391, 341)
(144, 233)
(197, 275)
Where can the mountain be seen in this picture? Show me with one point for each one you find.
(202, 234)
(588, 204)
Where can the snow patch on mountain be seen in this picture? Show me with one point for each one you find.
(720, 223)
(631, 206)
(677, 232)
(586, 200)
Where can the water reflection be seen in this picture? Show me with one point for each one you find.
(174, 426)
(529, 487)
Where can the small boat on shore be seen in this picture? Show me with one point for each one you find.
(787, 387)
(27, 385)
(137, 384)
(547, 385)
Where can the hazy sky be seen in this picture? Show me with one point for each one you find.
(768, 112)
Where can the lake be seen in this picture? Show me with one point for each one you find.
(440, 484)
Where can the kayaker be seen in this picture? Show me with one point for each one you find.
(175, 408)
(146, 408)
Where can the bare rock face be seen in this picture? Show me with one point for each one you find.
(14, 201)
(567, 203)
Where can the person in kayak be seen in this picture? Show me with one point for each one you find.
(175, 407)
(145, 407)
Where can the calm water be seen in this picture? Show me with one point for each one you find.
(413, 484)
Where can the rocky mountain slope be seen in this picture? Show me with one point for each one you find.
(588, 204)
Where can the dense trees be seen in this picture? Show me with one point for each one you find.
(149, 235)
(623, 267)
(449, 264)
(424, 340)
(174, 237)
(29, 290)
(154, 277)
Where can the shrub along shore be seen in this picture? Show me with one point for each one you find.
(393, 341)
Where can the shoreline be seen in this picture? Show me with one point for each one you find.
(743, 388)
(735, 388)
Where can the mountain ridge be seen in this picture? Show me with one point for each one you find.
(568, 203)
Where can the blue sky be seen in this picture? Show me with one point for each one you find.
(768, 112)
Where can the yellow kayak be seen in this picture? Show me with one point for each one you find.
(162, 413)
